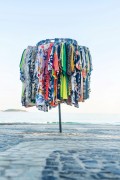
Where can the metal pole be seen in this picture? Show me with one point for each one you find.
(60, 125)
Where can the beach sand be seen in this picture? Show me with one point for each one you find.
(81, 152)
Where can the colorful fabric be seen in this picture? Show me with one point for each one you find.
(55, 71)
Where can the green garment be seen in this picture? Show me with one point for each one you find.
(22, 63)
(64, 78)
(64, 87)
(63, 58)
(61, 55)
(22, 59)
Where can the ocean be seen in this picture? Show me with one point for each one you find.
(51, 117)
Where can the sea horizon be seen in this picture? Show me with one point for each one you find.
(52, 117)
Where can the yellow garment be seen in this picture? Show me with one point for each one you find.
(69, 86)
(63, 87)
(72, 58)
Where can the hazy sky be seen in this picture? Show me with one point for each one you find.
(92, 23)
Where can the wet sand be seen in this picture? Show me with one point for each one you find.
(82, 151)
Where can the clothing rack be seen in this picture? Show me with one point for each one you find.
(57, 40)
(55, 71)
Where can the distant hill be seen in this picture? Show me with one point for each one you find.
(14, 110)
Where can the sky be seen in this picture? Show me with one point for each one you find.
(95, 24)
